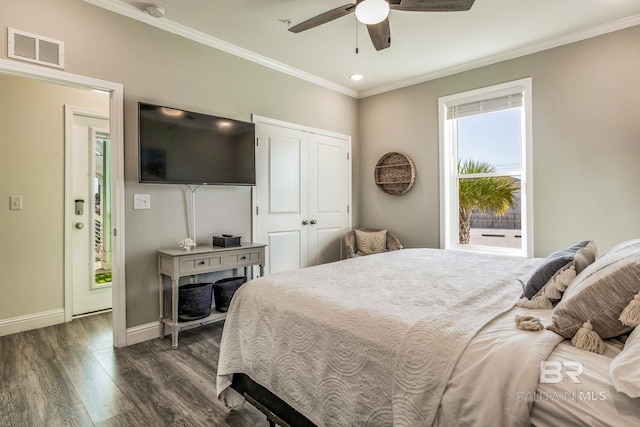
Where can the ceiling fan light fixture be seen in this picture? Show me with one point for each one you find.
(371, 12)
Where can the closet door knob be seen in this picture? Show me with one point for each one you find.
(305, 222)
(313, 221)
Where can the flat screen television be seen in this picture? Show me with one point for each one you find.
(182, 147)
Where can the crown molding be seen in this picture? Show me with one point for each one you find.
(573, 37)
(207, 40)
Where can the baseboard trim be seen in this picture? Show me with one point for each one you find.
(31, 321)
(150, 331)
(141, 333)
(134, 335)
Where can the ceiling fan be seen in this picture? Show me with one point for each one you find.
(374, 13)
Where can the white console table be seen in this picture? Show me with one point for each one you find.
(177, 263)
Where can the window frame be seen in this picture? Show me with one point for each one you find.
(449, 221)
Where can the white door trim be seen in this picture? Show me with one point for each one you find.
(275, 122)
(116, 130)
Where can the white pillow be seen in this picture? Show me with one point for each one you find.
(624, 370)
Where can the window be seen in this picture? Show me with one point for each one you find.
(485, 155)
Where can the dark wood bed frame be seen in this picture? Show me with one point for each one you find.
(278, 412)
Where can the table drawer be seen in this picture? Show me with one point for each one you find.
(199, 264)
(240, 259)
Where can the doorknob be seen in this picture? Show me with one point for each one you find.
(79, 225)
(305, 222)
(313, 221)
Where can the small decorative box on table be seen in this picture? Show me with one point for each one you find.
(226, 241)
(177, 263)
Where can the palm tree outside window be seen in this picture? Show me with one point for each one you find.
(485, 156)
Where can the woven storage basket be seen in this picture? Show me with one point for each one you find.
(224, 289)
(194, 301)
(395, 173)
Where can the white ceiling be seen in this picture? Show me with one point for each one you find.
(424, 45)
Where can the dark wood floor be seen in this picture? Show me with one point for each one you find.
(70, 375)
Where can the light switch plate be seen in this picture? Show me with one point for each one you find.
(142, 201)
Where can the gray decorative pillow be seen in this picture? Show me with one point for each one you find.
(556, 286)
(600, 293)
(371, 242)
(554, 262)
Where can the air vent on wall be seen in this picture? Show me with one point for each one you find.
(34, 48)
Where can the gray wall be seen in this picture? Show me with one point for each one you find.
(32, 166)
(158, 67)
(586, 144)
(585, 138)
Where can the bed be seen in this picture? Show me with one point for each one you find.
(416, 337)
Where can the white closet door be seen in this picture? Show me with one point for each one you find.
(302, 196)
(328, 197)
(282, 183)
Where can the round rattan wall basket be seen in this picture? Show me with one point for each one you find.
(395, 173)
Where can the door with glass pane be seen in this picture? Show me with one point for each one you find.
(91, 236)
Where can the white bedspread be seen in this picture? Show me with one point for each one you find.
(369, 341)
(497, 375)
(592, 402)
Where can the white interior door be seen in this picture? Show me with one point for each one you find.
(90, 207)
(282, 197)
(303, 194)
(329, 185)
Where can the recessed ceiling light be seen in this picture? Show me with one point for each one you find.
(356, 77)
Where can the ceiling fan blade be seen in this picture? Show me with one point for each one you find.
(380, 34)
(323, 18)
(431, 5)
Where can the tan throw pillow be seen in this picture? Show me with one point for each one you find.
(371, 242)
(585, 256)
(600, 293)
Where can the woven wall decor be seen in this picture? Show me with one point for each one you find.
(395, 173)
